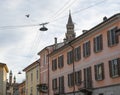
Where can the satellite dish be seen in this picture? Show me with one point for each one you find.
(43, 28)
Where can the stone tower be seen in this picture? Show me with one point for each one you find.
(70, 35)
(10, 77)
(14, 79)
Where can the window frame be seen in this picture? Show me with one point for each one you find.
(86, 49)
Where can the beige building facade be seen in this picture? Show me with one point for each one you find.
(3, 78)
(88, 64)
(32, 78)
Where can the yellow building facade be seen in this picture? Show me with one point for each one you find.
(3, 78)
(32, 78)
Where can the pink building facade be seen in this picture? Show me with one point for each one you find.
(88, 64)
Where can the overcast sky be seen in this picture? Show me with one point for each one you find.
(19, 44)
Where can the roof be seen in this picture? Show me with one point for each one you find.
(31, 66)
(94, 29)
(5, 66)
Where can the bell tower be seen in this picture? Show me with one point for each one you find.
(70, 35)
(10, 77)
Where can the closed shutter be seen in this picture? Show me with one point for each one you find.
(94, 40)
(101, 42)
(110, 68)
(69, 80)
(118, 61)
(116, 36)
(103, 76)
(108, 37)
(95, 68)
(84, 50)
(68, 62)
(89, 48)
(80, 76)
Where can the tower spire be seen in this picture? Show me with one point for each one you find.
(10, 77)
(70, 19)
(70, 35)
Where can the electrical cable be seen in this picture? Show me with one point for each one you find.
(32, 25)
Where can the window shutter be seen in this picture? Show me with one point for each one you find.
(84, 50)
(84, 76)
(110, 68)
(59, 62)
(68, 58)
(95, 68)
(94, 40)
(102, 65)
(118, 60)
(76, 77)
(116, 36)
(101, 42)
(80, 76)
(89, 48)
(108, 37)
(52, 84)
(72, 56)
(69, 80)
(52, 65)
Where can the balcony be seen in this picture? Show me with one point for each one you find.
(85, 87)
(59, 90)
(42, 88)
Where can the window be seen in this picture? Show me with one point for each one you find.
(77, 53)
(99, 71)
(54, 84)
(61, 84)
(31, 92)
(86, 49)
(114, 67)
(112, 37)
(31, 76)
(78, 77)
(70, 57)
(44, 59)
(98, 43)
(54, 64)
(88, 77)
(60, 61)
(37, 74)
(70, 80)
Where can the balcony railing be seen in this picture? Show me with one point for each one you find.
(42, 88)
(85, 86)
(59, 90)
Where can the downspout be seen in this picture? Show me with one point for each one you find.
(48, 68)
(73, 68)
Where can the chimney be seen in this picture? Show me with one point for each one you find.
(104, 18)
(84, 31)
(64, 40)
(55, 42)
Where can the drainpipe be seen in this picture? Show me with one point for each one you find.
(73, 68)
(48, 68)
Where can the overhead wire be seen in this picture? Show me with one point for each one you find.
(53, 20)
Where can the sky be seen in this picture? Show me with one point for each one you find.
(20, 37)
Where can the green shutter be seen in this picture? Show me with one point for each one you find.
(118, 60)
(101, 42)
(103, 76)
(110, 68)
(95, 68)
